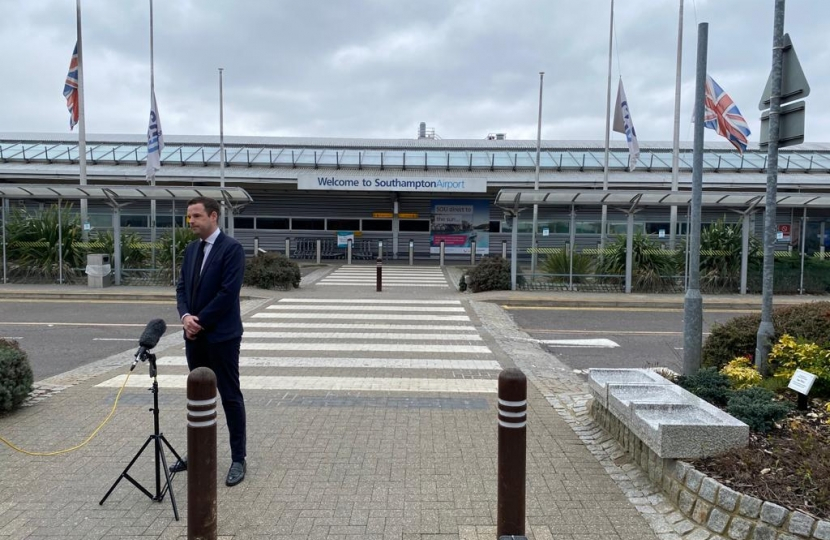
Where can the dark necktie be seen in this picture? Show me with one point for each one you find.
(197, 267)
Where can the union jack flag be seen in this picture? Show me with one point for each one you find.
(722, 115)
(70, 89)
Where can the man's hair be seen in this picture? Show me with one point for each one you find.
(210, 205)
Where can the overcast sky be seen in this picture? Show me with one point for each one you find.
(376, 68)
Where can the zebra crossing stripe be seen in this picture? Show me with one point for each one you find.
(363, 327)
(330, 384)
(361, 336)
(385, 284)
(327, 308)
(365, 347)
(363, 316)
(349, 363)
(349, 301)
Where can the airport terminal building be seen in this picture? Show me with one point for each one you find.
(419, 191)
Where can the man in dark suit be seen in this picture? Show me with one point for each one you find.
(207, 297)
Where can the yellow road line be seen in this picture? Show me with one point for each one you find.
(120, 325)
(647, 310)
(84, 300)
(608, 332)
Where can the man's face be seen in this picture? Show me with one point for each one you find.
(200, 222)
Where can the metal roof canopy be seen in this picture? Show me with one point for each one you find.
(515, 199)
(118, 194)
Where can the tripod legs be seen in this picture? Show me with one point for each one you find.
(161, 464)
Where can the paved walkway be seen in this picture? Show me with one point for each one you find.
(370, 416)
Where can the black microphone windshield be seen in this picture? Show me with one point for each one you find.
(152, 333)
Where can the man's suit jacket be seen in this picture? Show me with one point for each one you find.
(216, 298)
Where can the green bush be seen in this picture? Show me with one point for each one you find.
(33, 242)
(756, 408)
(558, 267)
(491, 274)
(135, 253)
(653, 269)
(708, 384)
(738, 336)
(15, 375)
(272, 271)
(790, 354)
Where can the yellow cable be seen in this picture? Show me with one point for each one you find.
(94, 433)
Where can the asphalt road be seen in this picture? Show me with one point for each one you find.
(631, 337)
(61, 335)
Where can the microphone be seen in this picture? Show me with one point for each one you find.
(149, 339)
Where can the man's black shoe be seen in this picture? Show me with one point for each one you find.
(179, 466)
(236, 473)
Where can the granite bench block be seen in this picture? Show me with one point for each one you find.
(599, 379)
(621, 397)
(687, 430)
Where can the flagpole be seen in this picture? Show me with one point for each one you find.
(675, 160)
(604, 222)
(536, 181)
(222, 221)
(81, 124)
(153, 177)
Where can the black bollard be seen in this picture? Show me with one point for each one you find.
(201, 455)
(512, 453)
(380, 275)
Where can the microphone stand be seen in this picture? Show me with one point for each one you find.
(157, 438)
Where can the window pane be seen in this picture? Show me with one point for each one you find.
(166, 222)
(271, 223)
(101, 221)
(495, 226)
(134, 221)
(243, 222)
(304, 224)
(377, 224)
(588, 227)
(343, 225)
(414, 225)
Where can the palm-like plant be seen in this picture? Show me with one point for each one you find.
(653, 269)
(39, 241)
(720, 256)
(558, 267)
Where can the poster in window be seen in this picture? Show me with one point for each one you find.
(459, 223)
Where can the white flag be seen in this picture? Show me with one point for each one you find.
(624, 124)
(155, 140)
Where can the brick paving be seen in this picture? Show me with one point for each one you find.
(401, 454)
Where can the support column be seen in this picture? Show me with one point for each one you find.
(629, 251)
(514, 241)
(744, 251)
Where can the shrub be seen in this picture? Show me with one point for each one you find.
(272, 271)
(790, 354)
(134, 251)
(756, 408)
(491, 274)
(653, 269)
(742, 373)
(36, 245)
(15, 375)
(738, 336)
(462, 283)
(558, 266)
(708, 384)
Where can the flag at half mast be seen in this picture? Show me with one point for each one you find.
(624, 124)
(70, 90)
(155, 139)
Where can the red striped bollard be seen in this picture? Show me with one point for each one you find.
(201, 455)
(512, 453)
